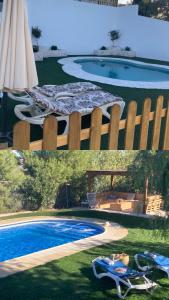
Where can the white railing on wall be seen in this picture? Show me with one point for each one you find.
(102, 2)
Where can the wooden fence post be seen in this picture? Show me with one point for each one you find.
(145, 124)
(130, 126)
(166, 133)
(114, 127)
(74, 131)
(157, 123)
(21, 136)
(95, 129)
(50, 129)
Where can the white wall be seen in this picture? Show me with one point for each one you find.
(75, 26)
(148, 37)
(80, 27)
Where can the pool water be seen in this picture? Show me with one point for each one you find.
(121, 70)
(26, 238)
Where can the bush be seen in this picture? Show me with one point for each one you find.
(35, 48)
(11, 180)
(54, 48)
(114, 36)
(36, 32)
(127, 49)
(103, 48)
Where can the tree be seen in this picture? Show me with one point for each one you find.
(49, 172)
(155, 9)
(11, 179)
(114, 36)
(155, 165)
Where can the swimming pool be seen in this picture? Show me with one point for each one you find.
(29, 237)
(118, 71)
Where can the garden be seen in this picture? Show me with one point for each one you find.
(53, 184)
(41, 180)
(72, 277)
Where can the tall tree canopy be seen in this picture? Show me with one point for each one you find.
(43, 179)
(154, 8)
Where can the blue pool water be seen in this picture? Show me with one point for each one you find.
(26, 238)
(121, 70)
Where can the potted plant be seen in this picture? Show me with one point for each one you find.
(54, 48)
(114, 36)
(36, 33)
(35, 48)
(127, 49)
(103, 48)
(54, 51)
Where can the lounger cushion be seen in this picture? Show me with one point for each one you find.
(117, 267)
(74, 88)
(156, 258)
(40, 99)
(84, 102)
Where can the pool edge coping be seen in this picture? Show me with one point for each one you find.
(69, 66)
(113, 232)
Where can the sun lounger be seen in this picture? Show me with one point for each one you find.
(152, 261)
(122, 275)
(62, 104)
(91, 201)
(55, 91)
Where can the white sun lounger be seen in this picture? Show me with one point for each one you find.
(91, 201)
(153, 261)
(80, 99)
(55, 91)
(122, 275)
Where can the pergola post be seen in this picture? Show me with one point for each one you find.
(112, 181)
(146, 193)
(90, 183)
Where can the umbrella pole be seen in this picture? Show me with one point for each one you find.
(5, 136)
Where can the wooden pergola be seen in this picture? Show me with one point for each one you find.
(91, 175)
(151, 203)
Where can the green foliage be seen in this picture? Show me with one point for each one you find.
(48, 179)
(48, 174)
(103, 48)
(156, 9)
(114, 35)
(54, 48)
(35, 48)
(127, 48)
(36, 33)
(11, 179)
(43, 180)
(154, 165)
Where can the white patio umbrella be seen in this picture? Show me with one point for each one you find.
(17, 63)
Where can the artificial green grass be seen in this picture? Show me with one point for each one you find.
(71, 278)
(50, 72)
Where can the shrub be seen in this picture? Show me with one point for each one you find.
(103, 48)
(36, 33)
(128, 48)
(54, 48)
(35, 48)
(114, 36)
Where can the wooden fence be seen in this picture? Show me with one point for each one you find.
(52, 141)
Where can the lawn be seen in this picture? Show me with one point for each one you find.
(50, 72)
(71, 278)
